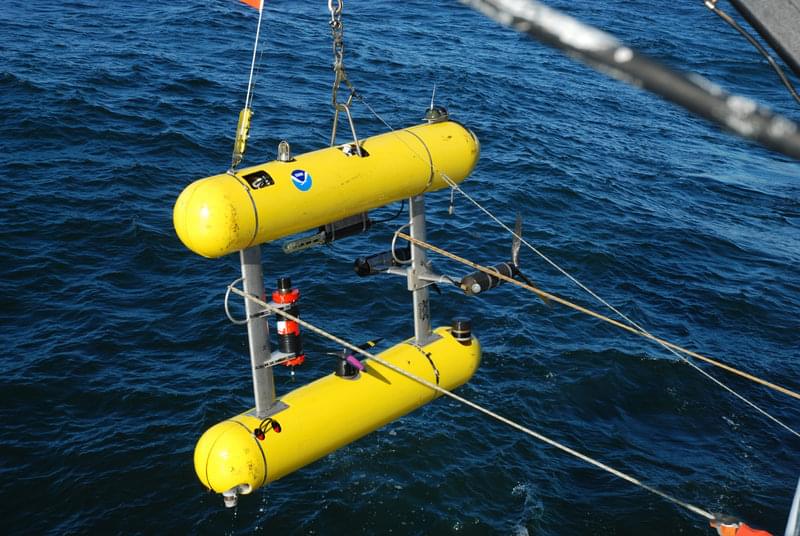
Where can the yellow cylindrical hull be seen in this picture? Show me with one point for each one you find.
(228, 212)
(229, 455)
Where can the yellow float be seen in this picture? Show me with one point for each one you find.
(236, 210)
(231, 459)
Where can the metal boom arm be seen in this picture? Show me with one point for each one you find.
(605, 53)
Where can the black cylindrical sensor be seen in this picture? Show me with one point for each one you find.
(462, 330)
(380, 262)
(284, 284)
(477, 282)
(345, 369)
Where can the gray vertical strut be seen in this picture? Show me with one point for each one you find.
(257, 331)
(419, 288)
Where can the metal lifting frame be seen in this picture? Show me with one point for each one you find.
(257, 331)
(419, 278)
(417, 271)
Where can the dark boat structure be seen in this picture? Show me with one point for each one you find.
(778, 22)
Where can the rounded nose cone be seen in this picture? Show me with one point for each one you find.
(215, 216)
(227, 456)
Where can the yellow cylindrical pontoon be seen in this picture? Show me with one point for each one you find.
(230, 458)
(232, 211)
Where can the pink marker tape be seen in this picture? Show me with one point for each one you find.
(355, 362)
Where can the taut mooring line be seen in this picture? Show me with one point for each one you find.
(631, 329)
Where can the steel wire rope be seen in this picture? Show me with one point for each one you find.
(674, 348)
(513, 424)
(258, 72)
(246, 114)
(250, 84)
(633, 327)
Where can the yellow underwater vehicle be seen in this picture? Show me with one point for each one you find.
(330, 190)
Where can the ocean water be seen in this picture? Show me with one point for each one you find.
(117, 354)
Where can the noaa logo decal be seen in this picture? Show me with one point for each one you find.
(301, 180)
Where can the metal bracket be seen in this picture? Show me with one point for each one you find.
(277, 357)
(428, 276)
(276, 408)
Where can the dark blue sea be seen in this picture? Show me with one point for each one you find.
(117, 355)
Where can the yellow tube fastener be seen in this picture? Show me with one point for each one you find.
(229, 455)
(232, 211)
(242, 134)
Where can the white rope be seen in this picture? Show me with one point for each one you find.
(553, 443)
(454, 186)
(651, 337)
(249, 97)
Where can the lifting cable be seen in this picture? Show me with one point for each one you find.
(248, 101)
(633, 327)
(340, 76)
(553, 443)
(246, 114)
